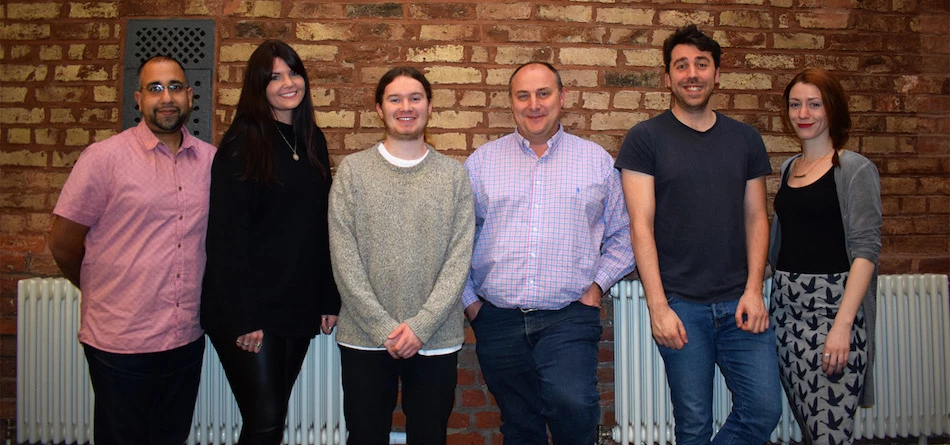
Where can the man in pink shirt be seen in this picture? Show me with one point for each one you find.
(129, 229)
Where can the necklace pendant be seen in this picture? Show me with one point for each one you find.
(296, 158)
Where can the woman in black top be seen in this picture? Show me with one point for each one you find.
(826, 237)
(268, 288)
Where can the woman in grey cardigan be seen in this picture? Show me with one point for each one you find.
(825, 253)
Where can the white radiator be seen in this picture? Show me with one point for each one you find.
(912, 384)
(55, 398)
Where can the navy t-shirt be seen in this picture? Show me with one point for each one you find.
(700, 180)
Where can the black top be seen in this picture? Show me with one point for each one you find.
(268, 248)
(812, 233)
(700, 180)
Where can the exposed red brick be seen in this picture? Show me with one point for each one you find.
(458, 420)
(933, 265)
(917, 244)
(473, 398)
(467, 439)
(890, 264)
(488, 420)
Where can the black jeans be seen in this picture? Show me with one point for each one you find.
(371, 382)
(262, 383)
(145, 398)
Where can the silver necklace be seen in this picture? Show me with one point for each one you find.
(813, 165)
(293, 148)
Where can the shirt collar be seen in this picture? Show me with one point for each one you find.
(150, 141)
(552, 143)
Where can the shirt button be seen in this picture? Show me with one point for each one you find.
(177, 275)
(180, 217)
(534, 229)
(179, 245)
(179, 188)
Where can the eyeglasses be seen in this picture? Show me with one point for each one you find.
(156, 89)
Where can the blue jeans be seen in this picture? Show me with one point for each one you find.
(541, 366)
(146, 399)
(747, 362)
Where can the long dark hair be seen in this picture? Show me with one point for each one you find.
(253, 127)
(835, 101)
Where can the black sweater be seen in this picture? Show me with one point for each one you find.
(268, 251)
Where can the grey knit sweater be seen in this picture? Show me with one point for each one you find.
(401, 247)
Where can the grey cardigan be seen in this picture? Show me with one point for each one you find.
(859, 195)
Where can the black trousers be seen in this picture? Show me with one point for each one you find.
(146, 399)
(261, 383)
(371, 383)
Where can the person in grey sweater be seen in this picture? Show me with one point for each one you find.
(825, 252)
(402, 223)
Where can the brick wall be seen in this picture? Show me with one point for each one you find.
(61, 69)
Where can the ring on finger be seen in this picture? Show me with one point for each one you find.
(258, 345)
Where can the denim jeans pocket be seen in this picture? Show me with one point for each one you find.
(480, 315)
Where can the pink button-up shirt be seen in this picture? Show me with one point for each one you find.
(147, 212)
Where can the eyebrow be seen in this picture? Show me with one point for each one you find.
(536, 90)
(684, 59)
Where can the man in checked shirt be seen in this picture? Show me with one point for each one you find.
(551, 237)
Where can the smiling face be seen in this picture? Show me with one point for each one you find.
(285, 91)
(692, 77)
(536, 103)
(806, 111)
(404, 109)
(165, 99)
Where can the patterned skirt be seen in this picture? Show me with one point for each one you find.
(803, 308)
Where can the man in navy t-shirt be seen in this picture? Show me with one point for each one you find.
(694, 183)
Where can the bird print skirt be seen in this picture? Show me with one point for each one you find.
(803, 308)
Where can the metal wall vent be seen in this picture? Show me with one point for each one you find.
(189, 41)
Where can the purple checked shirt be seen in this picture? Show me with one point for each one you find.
(548, 227)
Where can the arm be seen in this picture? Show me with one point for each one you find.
(863, 201)
(66, 243)
(616, 252)
(348, 269)
(443, 299)
(229, 291)
(470, 300)
(751, 314)
(838, 342)
(639, 194)
(330, 300)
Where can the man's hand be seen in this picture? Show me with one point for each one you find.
(668, 329)
(406, 343)
(592, 296)
(472, 310)
(751, 315)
